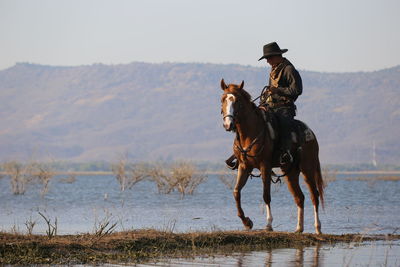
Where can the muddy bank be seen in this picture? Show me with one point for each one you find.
(146, 245)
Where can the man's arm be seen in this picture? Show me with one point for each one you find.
(295, 84)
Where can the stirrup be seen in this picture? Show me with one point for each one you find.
(232, 162)
(286, 158)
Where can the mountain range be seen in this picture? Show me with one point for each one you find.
(172, 111)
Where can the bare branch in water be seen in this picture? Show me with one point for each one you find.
(128, 174)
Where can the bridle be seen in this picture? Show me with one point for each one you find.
(245, 151)
(260, 136)
(234, 115)
(238, 146)
(235, 112)
(229, 116)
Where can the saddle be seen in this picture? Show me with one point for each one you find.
(300, 134)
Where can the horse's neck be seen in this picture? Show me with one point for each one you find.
(250, 126)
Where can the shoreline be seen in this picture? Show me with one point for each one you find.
(139, 246)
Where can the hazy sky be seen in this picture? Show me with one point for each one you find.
(335, 35)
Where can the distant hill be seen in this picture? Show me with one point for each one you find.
(172, 111)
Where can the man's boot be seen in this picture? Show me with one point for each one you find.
(286, 158)
(232, 162)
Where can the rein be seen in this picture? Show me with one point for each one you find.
(245, 151)
(262, 92)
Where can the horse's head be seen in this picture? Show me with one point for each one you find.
(233, 99)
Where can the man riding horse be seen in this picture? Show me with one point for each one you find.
(285, 85)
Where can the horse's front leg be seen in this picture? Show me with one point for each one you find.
(241, 180)
(266, 177)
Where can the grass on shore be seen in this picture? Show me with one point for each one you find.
(147, 245)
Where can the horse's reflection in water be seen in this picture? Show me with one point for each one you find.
(296, 257)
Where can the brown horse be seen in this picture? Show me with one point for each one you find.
(254, 147)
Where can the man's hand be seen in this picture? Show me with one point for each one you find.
(273, 90)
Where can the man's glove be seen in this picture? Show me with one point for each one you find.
(273, 90)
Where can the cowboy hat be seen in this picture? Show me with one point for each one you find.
(272, 49)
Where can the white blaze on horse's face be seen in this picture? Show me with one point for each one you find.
(229, 111)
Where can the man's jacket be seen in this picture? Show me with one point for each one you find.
(287, 79)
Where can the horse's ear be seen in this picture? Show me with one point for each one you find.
(223, 85)
(241, 85)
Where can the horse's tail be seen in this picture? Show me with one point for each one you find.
(320, 183)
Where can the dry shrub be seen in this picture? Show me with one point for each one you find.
(30, 224)
(51, 227)
(128, 174)
(104, 227)
(43, 173)
(159, 175)
(181, 176)
(20, 175)
(15, 230)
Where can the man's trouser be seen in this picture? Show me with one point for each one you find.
(285, 117)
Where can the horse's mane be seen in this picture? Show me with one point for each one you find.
(235, 89)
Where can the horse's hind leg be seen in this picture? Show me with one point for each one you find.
(312, 186)
(241, 180)
(294, 188)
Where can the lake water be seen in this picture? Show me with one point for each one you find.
(380, 253)
(351, 206)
